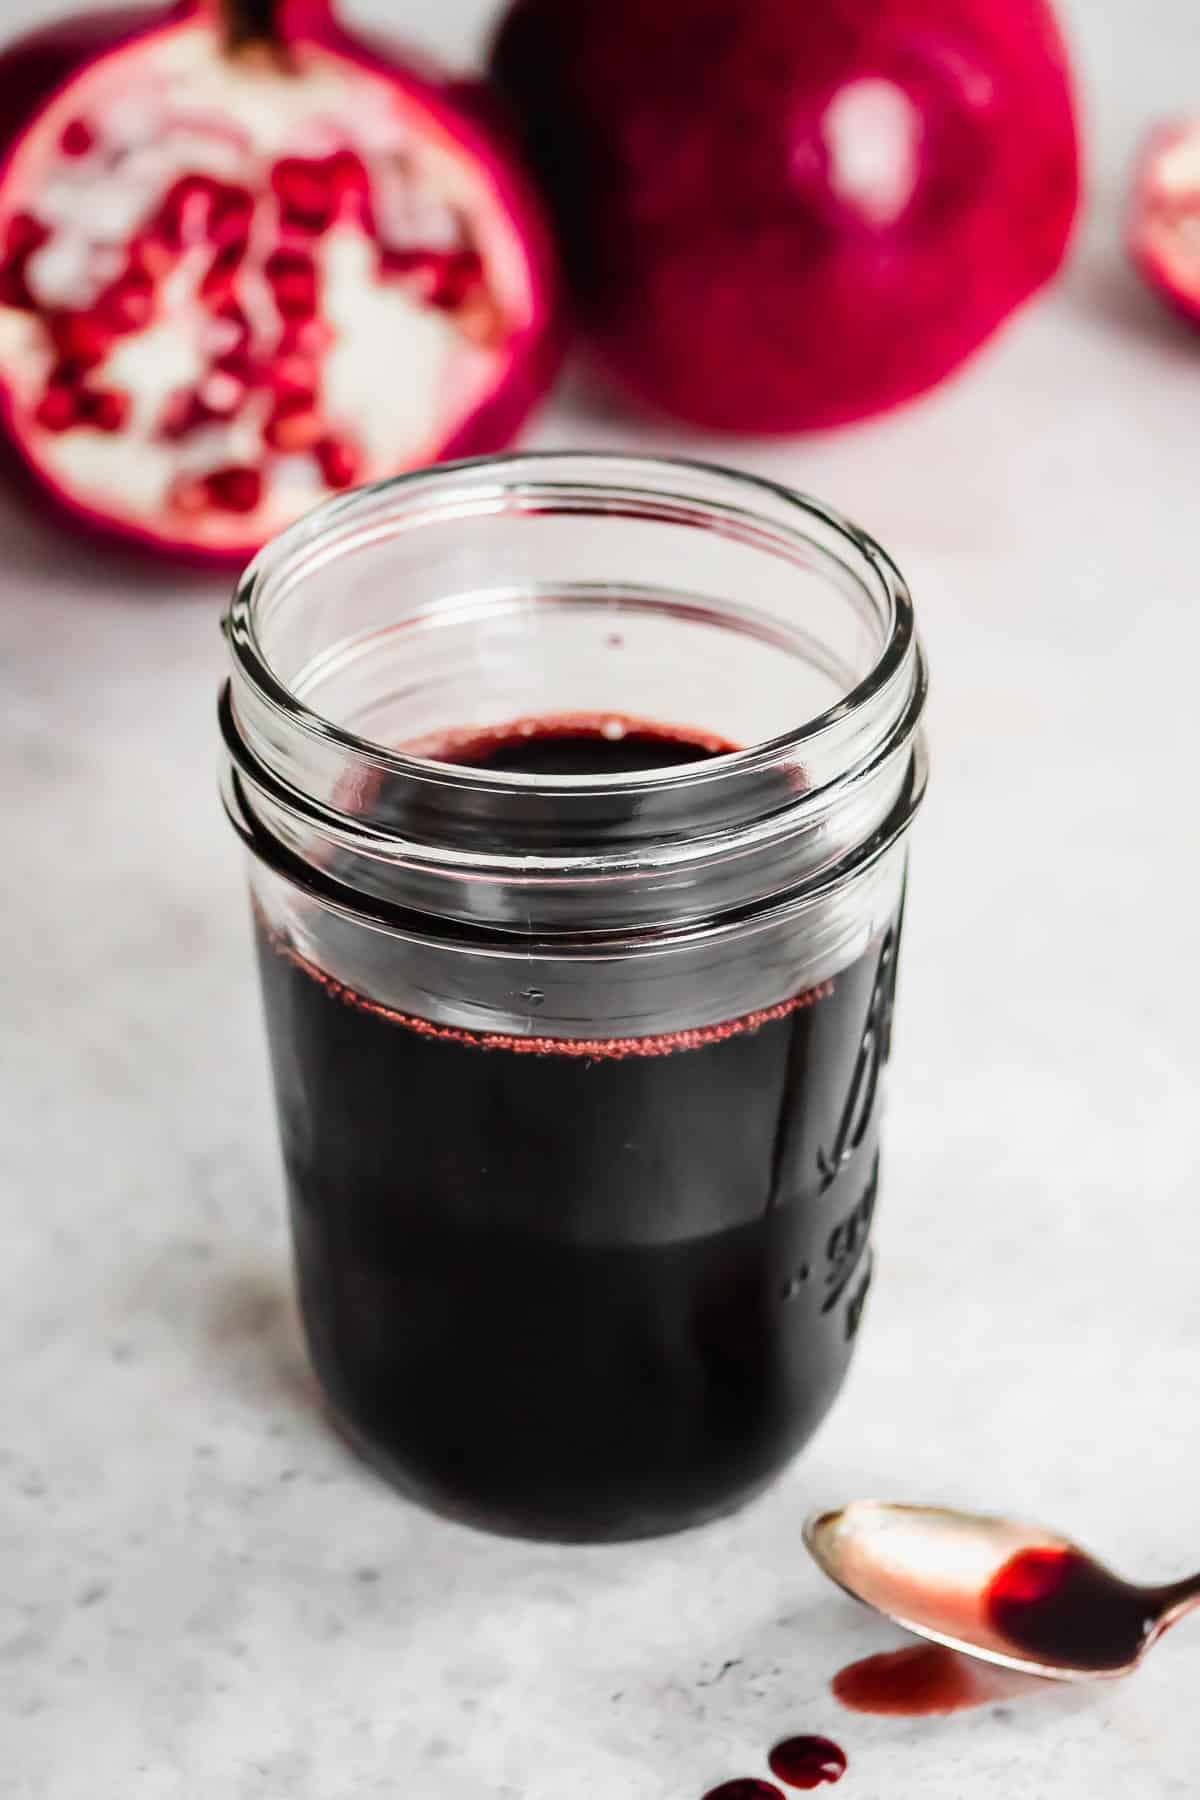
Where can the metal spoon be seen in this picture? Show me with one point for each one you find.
(995, 1588)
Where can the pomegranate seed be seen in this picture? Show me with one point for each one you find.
(187, 411)
(293, 278)
(348, 173)
(14, 289)
(238, 365)
(217, 286)
(230, 217)
(442, 277)
(81, 339)
(306, 194)
(237, 488)
(58, 409)
(25, 234)
(77, 139)
(407, 262)
(295, 425)
(187, 210)
(150, 256)
(294, 375)
(107, 411)
(460, 272)
(128, 305)
(312, 191)
(339, 462)
(307, 338)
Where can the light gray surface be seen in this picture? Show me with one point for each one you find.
(203, 1596)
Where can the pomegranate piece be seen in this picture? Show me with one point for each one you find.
(237, 490)
(81, 339)
(128, 305)
(295, 424)
(59, 407)
(24, 236)
(293, 278)
(191, 244)
(77, 138)
(107, 411)
(220, 280)
(779, 216)
(314, 191)
(1164, 220)
(230, 218)
(339, 462)
(442, 277)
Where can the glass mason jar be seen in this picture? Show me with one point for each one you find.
(576, 790)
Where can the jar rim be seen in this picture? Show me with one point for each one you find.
(607, 472)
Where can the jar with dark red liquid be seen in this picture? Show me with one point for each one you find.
(576, 790)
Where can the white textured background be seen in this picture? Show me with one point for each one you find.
(202, 1598)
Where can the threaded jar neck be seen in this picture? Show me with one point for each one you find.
(461, 598)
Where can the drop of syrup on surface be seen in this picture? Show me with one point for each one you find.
(745, 1789)
(808, 1762)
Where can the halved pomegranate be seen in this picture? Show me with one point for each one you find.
(245, 261)
(1164, 224)
(780, 214)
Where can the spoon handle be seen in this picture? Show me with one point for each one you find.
(1179, 1599)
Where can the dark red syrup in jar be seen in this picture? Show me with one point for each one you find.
(579, 1289)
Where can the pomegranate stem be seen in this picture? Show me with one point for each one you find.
(252, 22)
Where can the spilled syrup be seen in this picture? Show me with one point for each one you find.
(807, 1762)
(1048, 1603)
(923, 1680)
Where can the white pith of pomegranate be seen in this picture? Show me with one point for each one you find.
(230, 286)
(1164, 227)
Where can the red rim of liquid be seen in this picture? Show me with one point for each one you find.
(662, 1045)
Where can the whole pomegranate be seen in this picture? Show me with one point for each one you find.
(1164, 224)
(790, 213)
(246, 261)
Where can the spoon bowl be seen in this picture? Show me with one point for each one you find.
(1000, 1589)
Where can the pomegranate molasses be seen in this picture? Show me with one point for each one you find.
(576, 790)
(580, 1287)
(808, 1762)
(745, 1787)
(1059, 1606)
(921, 1680)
